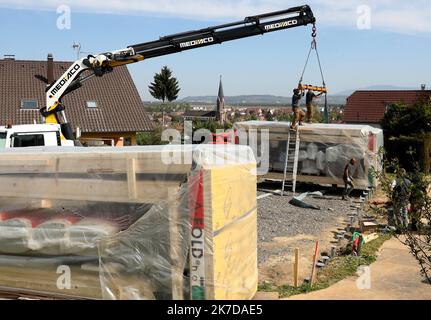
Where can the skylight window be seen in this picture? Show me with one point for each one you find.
(29, 104)
(91, 104)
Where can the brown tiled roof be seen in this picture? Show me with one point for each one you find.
(370, 106)
(119, 106)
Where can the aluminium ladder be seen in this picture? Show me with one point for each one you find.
(291, 161)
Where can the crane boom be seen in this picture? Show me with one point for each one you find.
(104, 63)
(250, 26)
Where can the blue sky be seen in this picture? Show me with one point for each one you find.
(395, 51)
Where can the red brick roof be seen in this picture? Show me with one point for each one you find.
(370, 106)
(119, 106)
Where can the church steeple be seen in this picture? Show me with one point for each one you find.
(220, 102)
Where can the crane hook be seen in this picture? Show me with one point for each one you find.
(314, 35)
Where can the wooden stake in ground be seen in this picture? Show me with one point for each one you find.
(296, 268)
(313, 269)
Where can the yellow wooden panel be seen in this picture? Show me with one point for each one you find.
(233, 193)
(235, 260)
(231, 232)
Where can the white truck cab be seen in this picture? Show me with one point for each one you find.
(32, 135)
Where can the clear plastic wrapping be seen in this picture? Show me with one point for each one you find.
(162, 222)
(324, 150)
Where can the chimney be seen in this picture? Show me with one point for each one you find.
(50, 69)
(423, 87)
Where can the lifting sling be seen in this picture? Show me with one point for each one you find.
(322, 89)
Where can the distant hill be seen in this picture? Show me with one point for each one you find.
(244, 99)
(266, 99)
(256, 100)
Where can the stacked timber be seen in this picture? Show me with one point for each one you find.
(166, 222)
(324, 150)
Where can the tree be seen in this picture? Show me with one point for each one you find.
(286, 117)
(401, 119)
(418, 237)
(165, 87)
(407, 131)
(151, 138)
(211, 125)
(250, 117)
(335, 114)
(269, 116)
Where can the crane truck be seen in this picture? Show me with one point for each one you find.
(57, 130)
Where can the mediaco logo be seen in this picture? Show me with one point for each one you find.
(257, 141)
(63, 81)
(196, 42)
(283, 24)
(364, 17)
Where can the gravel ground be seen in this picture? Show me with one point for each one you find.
(278, 218)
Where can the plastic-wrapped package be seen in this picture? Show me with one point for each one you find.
(309, 167)
(274, 144)
(3, 216)
(82, 237)
(50, 237)
(312, 150)
(340, 155)
(159, 222)
(328, 147)
(321, 161)
(15, 235)
(16, 230)
(302, 155)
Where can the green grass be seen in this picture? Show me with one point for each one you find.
(337, 269)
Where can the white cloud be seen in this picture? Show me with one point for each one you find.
(389, 15)
(400, 16)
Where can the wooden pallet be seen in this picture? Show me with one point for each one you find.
(101, 176)
(323, 180)
(318, 134)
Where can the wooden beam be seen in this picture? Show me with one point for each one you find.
(131, 178)
(296, 269)
(84, 189)
(313, 269)
(359, 183)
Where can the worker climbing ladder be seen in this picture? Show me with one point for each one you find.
(291, 161)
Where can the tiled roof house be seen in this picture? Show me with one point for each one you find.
(106, 108)
(369, 107)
